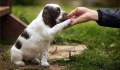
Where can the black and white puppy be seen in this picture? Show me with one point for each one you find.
(36, 38)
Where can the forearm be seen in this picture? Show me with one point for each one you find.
(109, 17)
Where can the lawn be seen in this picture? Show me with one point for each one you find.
(103, 43)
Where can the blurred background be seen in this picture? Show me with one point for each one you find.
(102, 3)
(34, 6)
(103, 43)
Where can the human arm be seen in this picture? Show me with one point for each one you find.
(109, 17)
(82, 14)
(104, 17)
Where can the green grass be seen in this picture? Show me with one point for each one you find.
(103, 43)
(26, 13)
(103, 47)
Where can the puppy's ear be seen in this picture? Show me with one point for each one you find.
(48, 17)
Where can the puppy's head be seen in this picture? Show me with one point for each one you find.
(52, 15)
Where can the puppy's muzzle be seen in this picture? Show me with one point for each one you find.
(64, 17)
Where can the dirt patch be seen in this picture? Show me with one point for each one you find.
(63, 51)
(56, 52)
(38, 67)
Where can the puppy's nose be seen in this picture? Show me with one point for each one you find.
(64, 17)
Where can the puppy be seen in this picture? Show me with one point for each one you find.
(36, 38)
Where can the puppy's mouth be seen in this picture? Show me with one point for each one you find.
(64, 17)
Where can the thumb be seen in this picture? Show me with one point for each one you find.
(71, 14)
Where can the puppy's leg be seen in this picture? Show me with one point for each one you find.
(57, 28)
(16, 57)
(44, 56)
(35, 61)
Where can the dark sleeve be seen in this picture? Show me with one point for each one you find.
(109, 17)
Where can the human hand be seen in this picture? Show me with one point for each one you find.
(82, 14)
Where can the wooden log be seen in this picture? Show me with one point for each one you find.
(6, 3)
(11, 27)
(0, 29)
(4, 10)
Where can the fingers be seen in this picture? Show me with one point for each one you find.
(72, 13)
(79, 15)
(79, 19)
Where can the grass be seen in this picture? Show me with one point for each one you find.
(26, 13)
(103, 43)
(5, 62)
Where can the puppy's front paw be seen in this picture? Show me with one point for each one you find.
(69, 22)
(45, 64)
(20, 63)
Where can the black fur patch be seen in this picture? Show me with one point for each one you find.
(18, 44)
(50, 14)
(25, 35)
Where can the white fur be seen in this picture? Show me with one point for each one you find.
(39, 41)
